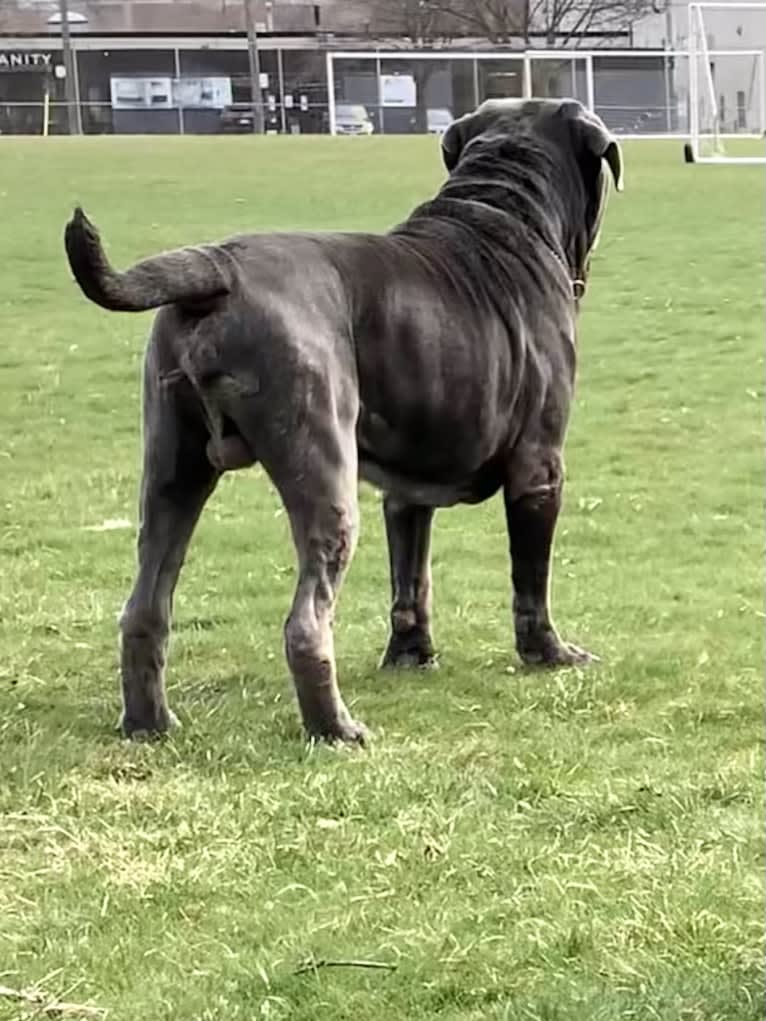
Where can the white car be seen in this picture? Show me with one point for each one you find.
(439, 120)
(352, 119)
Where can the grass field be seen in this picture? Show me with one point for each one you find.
(526, 847)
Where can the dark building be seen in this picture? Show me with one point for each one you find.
(172, 66)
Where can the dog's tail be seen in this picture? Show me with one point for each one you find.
(185, 275)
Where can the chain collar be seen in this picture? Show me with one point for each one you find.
(578, 284)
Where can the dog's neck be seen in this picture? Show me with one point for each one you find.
(524, 182)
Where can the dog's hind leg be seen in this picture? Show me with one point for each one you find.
(532, 504)
(177, 480)
(325, 536)
(408, 530)
(311, 457)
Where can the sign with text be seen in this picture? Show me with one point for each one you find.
(202, 93)
(139, 93)
(135, 93)
(24, 60)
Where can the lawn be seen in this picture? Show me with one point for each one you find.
(580, 846)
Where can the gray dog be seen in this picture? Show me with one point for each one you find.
(436, 362)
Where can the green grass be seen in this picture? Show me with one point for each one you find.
(525, 847)
(733, 147)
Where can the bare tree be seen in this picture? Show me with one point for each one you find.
(417, 22)
(554, 23)
(557, 22)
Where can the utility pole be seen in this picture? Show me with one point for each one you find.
(70, 86)
(255, 67)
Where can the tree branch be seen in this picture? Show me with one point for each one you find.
(313, 964)
(45, 1005)
(500, 20)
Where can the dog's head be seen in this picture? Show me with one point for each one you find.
(580, 145)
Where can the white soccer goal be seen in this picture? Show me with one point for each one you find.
(727, 88)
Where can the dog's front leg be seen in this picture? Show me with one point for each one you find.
(532, 504)
(408, 530)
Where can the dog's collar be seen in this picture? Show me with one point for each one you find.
(578, 284)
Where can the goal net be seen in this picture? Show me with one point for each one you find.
(727, 88)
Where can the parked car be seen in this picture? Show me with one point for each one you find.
(439, 119)
(237, 118)
(352, 119)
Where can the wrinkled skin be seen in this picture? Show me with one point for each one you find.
(436, 362)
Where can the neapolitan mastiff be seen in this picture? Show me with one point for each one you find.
(436, 361)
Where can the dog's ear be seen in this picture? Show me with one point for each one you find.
(608, 148)
(453, 140)
(613, 156)
(602, 143)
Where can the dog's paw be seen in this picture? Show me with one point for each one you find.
(409, 652)
(409, 659)
(347, 732)
(148, 729)
(573, 655)
(557, 654)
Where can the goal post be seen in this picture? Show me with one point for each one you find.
(727, 87)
